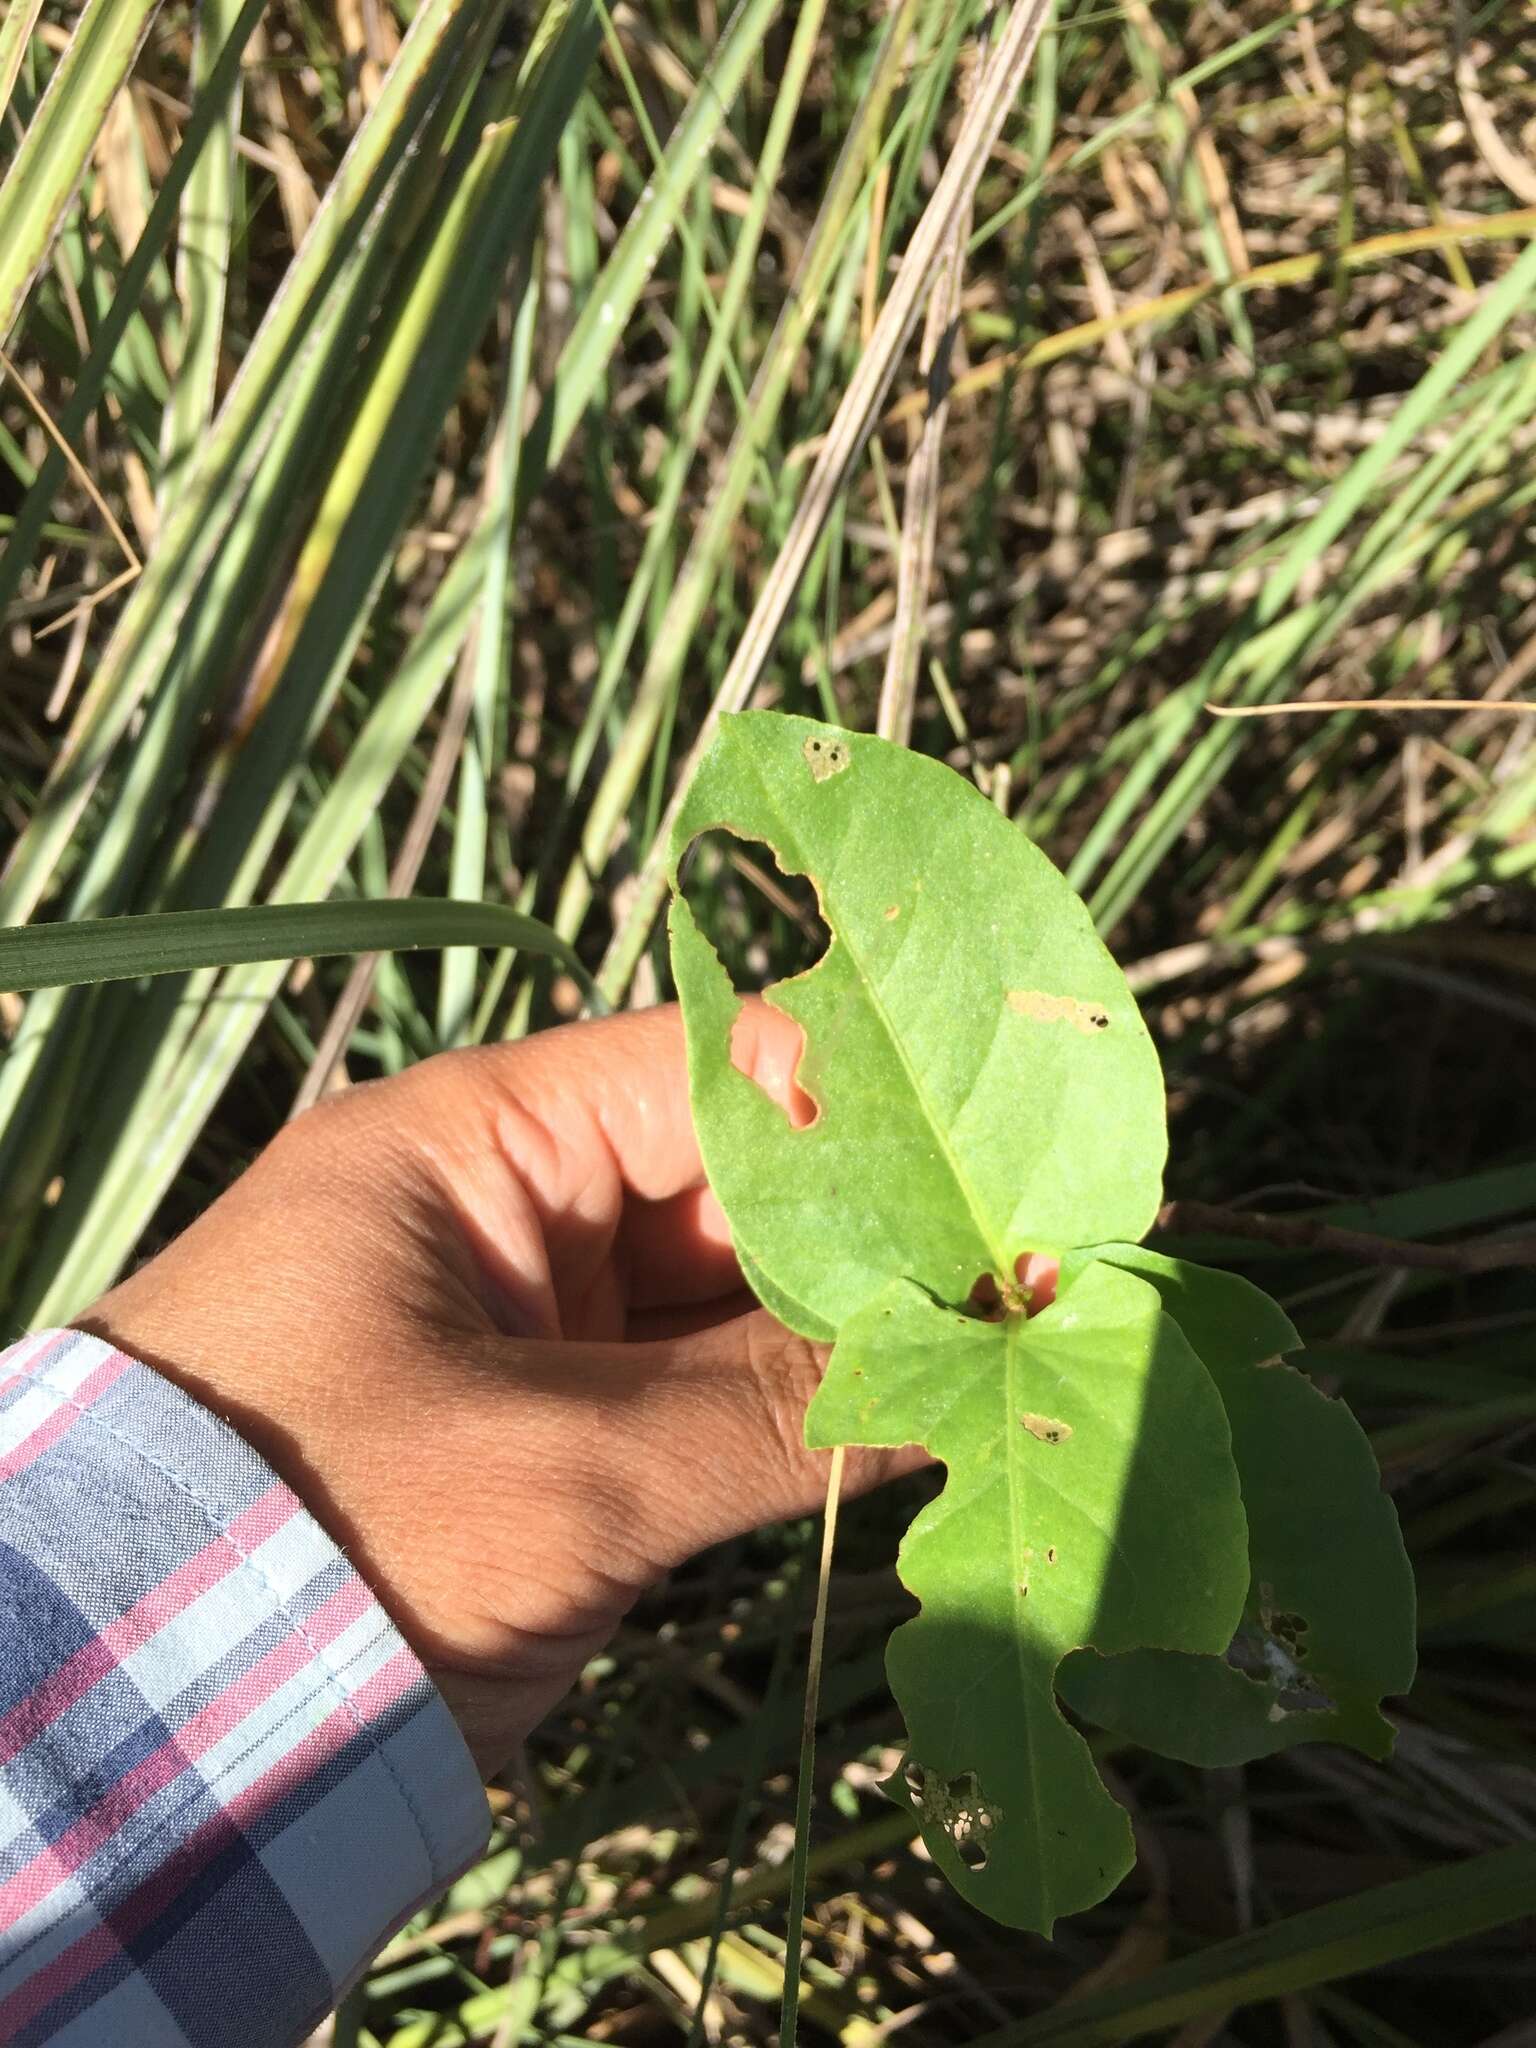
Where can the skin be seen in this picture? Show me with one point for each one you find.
(484, 1318)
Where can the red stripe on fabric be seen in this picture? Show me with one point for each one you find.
(61, 1859)
(180, 1869)
(19, 1361)
(29, 1717)
(92, 1661)
(389, 1683)
(65, 1416)
(29, 1998)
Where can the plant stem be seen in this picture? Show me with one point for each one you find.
(795, 1933)
(1300, 1233)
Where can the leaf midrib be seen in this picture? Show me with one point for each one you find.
(838, 936)
(1027, 1690)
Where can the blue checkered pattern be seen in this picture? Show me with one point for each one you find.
(224, 1778)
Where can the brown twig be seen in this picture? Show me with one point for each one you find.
(1322, 704)
(1301, 1234)
(88, 484)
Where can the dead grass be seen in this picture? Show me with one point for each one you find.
(1220, 297)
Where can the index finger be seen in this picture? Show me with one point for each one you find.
(623, 1082)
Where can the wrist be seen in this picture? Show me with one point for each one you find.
(494, 1715)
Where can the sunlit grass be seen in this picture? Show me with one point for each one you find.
(489, 393)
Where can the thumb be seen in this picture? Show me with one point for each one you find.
(729, 1404)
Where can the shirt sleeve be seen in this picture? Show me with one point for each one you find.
(224, 1778)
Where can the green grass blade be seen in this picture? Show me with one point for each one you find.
(603, 316)
(1434, 392)
(476, 234)
(205, 242)
(184, 1048)
(212, 488)
(856, 418)
(1387, 1924)
(15, 33)
(467, 863)
(129, 289)
(56, 148)
(178, 941)
(704, 384)
(846, 193)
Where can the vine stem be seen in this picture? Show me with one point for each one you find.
(939, 273)
(794, 1943)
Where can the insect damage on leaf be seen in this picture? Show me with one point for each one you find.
(957, 1808)
(944, 1120)
(1142, 1502)
(1044, 1009)
(825, 757)
(1276, 1664)
(1328, 1630)
(1201, 1505)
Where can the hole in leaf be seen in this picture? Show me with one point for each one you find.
(986, 1298)
(1032, 1289)
(1269, 1659)
(766, 926)
(764, 923)
(1291, 1630)
(768, 1052)
(958, 1809)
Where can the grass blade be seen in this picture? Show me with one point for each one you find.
(695, 582)
(204, 246)
(15, 34)
(146, 634)
(855, 420)
(605, 312)
(1360, 1933)
(179, 941)
(221, 79)
(59, 139)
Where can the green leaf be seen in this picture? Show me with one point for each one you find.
(1091, 1500)
(1329, 1624)
(984, 1082)
(794, 1314)
(48, 166)
(176, 941)
(1134, 1479)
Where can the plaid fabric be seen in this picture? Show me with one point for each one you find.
(224, 1779)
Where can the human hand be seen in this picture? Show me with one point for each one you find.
(485, 1319)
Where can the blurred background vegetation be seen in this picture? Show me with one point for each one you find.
(412, 411)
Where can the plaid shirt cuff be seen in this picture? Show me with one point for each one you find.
(224, 1778)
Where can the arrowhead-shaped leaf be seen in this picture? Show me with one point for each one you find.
(1090, 1499)
(984, 1088)
(984, 1081)
(1328, 1628)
